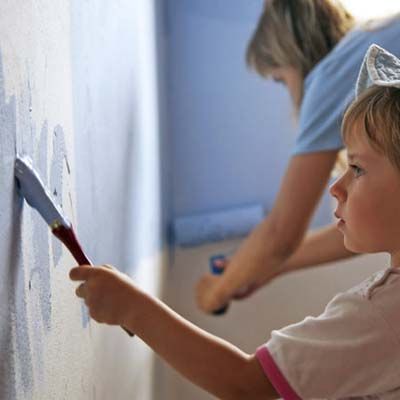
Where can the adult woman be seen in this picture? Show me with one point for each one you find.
(315, 48)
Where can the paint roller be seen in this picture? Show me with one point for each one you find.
(37, 196)
(217, 226)
(234, 222)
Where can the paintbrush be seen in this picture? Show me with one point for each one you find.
(37, 196)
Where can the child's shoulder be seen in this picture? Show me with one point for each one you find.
(376, 297)
(381, 294)
(383, 280)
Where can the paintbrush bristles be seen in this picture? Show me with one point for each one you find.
(33, 190)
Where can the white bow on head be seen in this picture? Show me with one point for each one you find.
(379, 68)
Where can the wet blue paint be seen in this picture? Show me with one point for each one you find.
(8, 263)
(26, 134)
(40, 274)
(21, 353)
(85, 316)
(19, 308)
(41, 151)
(59, 159)
(56, 180)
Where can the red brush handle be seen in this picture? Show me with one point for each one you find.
(68, 237)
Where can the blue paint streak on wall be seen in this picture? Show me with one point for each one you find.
(40, 274)
(39, 277)
(7, 249)
(27, 130)
(85, 315)
(56, 180)
(41, 159)
(23, 345)
(19, 352)
(17, 355)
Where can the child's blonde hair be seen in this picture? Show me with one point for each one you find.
(378, 111)
(297, 33)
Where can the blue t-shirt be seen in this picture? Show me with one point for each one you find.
(330, 85)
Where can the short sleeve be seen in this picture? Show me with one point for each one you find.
(330, 87)
(326, 97)
(347, 351)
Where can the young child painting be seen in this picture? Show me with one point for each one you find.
(351, 350)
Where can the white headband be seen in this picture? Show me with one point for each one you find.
(379, 68)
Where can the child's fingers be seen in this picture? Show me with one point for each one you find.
(81, 273)
(81, 290)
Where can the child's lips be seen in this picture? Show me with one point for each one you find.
(340, 219)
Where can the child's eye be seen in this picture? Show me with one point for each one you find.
(357, 171)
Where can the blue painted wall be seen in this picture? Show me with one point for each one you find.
(231, 131)
(79, 96)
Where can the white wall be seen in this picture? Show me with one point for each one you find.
(371, 9)
(78, 94)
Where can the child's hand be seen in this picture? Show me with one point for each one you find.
(107, 292)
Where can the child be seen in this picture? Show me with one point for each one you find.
(352, 350)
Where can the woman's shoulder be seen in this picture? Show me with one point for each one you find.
(347, 55)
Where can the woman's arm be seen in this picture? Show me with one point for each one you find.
(266, 250)
(209, 362)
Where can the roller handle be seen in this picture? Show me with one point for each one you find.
(217, 270)
(68, 237)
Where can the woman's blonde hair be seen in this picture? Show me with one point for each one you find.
(297, 33)
(377, 113)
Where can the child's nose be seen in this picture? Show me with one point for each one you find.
(337, 189)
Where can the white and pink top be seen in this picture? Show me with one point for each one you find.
(351, 351)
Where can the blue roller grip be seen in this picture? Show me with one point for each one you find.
(216, 270)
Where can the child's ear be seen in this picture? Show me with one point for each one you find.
(340, 165)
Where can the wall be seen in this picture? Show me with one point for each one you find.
(78, 94)
(231, 131)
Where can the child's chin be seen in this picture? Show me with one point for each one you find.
(353, 247)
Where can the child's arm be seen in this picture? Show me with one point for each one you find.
(209, 362)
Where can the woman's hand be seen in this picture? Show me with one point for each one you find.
(206, 297)
(107, 293)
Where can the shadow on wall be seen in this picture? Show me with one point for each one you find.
(24, 235)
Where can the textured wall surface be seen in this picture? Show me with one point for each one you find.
(74, 97)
